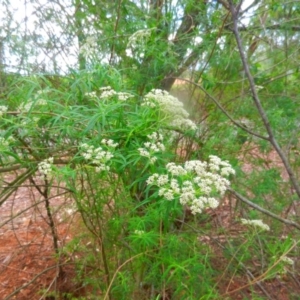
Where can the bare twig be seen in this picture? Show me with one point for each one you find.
(10, 168)
(263, 210)
(55, 239)
(257, 102)
(31, 281)
(117, 271)
(13, 186)
(262, 276)
(28, 208)
(224, 110)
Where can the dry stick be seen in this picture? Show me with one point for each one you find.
(31, 281)
(55, 239)
(10, 168)
(117, 271)
(13, 186)
(271, 137)
(263, 210)
(100, 238)
(53, 228)
(44, 296)
(45, 194)
(28, 208)
(262, 276)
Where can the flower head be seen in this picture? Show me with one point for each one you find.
(98, 156)
(256, 223)
(45, 167)
(139, 232)
(25, 107)
(171, 107)
(3, 110)
(196, 184)
(107, 92)
(154, 145)
(138, 39)
(287, 260)
(89, 47)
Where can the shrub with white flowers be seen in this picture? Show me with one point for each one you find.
(98, 156)
(153, 146)
(171, 107)
(256, 223)
(196, 184)
(45, 167)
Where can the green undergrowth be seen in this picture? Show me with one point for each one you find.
(150, 222)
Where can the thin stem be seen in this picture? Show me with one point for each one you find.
(224, 110)
(263, 210)
(99, 232)
(30, 282)
(257, 102)
(13, 186)
(248, 272)
(117, 271)
(49, 214)
(45, 194)
(28, 208)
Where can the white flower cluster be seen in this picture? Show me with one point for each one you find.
(247, 123)
(98, 156)
(139, 38)
(195, 184)
(26, 106)
(3, 110)
(4, 142)
(259, 87)
(153, 146)
(139, 232)
(287, 260)
(91, 94)
(216, 164)
(107, 92)
(89, 47)
(171, 106)
(123, 96)
(109, 143)
(256, 223)
(45, 167)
